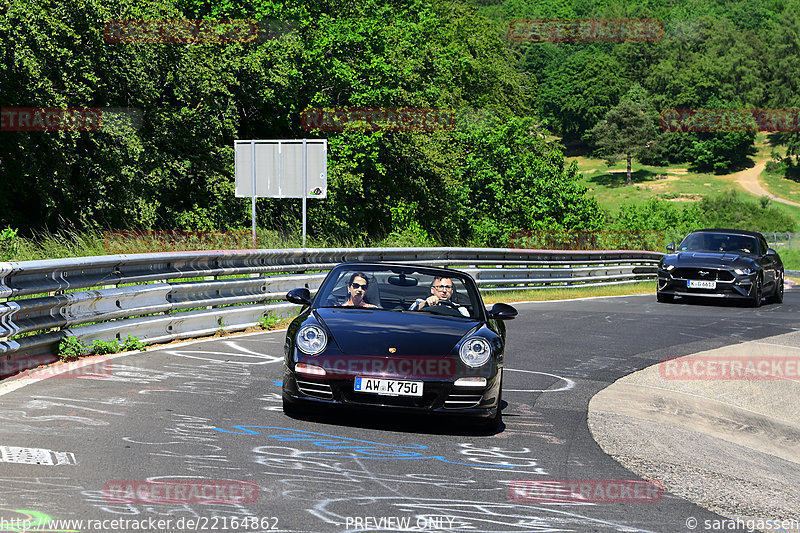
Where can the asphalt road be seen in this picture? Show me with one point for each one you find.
(211, 411)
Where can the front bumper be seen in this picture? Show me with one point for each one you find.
(438, 398)
(728, 284)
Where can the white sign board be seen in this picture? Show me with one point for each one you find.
(289, 168)
(278, 167)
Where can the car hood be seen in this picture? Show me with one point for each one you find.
(709, 259)
(374, 332)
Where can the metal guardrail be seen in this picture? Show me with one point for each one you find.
(166, 296)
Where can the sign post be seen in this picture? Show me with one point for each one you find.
(294, 168)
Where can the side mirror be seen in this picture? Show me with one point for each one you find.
(502, 311)
(771, 252)
(300, 296)
(671, 247)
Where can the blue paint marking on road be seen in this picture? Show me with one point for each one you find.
(362, 449)
(277, 383)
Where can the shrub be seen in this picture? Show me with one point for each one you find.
(105, 347)
(9, 244)
(269, 321)
(132, 343)
(71, 348)
(731, 210)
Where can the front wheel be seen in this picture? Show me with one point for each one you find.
(758, 289)
(493, 423)
(292, 409)
(777, 297)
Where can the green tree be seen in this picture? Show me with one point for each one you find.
(176, 169)
(574, 94)
(513, 179)
(784, 88)
(673, 219)
(723, 151)
(628, 129)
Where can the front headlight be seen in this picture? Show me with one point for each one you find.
(669, 268)
(475, 351)
(744, 271)
(311, 340)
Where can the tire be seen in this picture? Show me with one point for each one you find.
(292, 409)
(758, 293)
(493, 423)
(777, 297)
(664, 298)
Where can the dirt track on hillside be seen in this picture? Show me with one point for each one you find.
(748, 179)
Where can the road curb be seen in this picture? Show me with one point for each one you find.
(722, 444)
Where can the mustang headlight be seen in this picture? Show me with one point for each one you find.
(311, 340)
(744, 271)
(475, 351)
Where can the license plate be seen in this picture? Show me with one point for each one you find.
(701, 284)
(388, 387)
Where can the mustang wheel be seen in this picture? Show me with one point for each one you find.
(778, 296)
(758, 290)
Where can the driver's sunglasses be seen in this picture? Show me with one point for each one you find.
(359, 285)
(443, 287)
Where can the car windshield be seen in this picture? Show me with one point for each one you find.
(400, 289)
(719, 242)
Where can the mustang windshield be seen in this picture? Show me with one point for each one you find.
(398, 289)
(719, 242)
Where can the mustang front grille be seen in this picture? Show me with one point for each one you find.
(710, 274)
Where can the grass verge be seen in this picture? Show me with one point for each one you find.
(536, 295)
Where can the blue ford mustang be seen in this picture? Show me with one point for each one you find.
(396, 337)
(721, 263)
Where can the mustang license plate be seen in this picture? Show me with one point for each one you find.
(701, 284)
(388, 387)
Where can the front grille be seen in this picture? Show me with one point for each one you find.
(315, 389)
(709, 274)
(463, 400)
(425, 400)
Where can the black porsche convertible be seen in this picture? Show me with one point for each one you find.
(721, 263)
(396, 337)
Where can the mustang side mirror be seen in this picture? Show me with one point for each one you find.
(300, 296)
(771, 252)
(671, 247)
(501, 311)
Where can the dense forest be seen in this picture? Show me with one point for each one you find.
(712, 54)
(496, 170)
